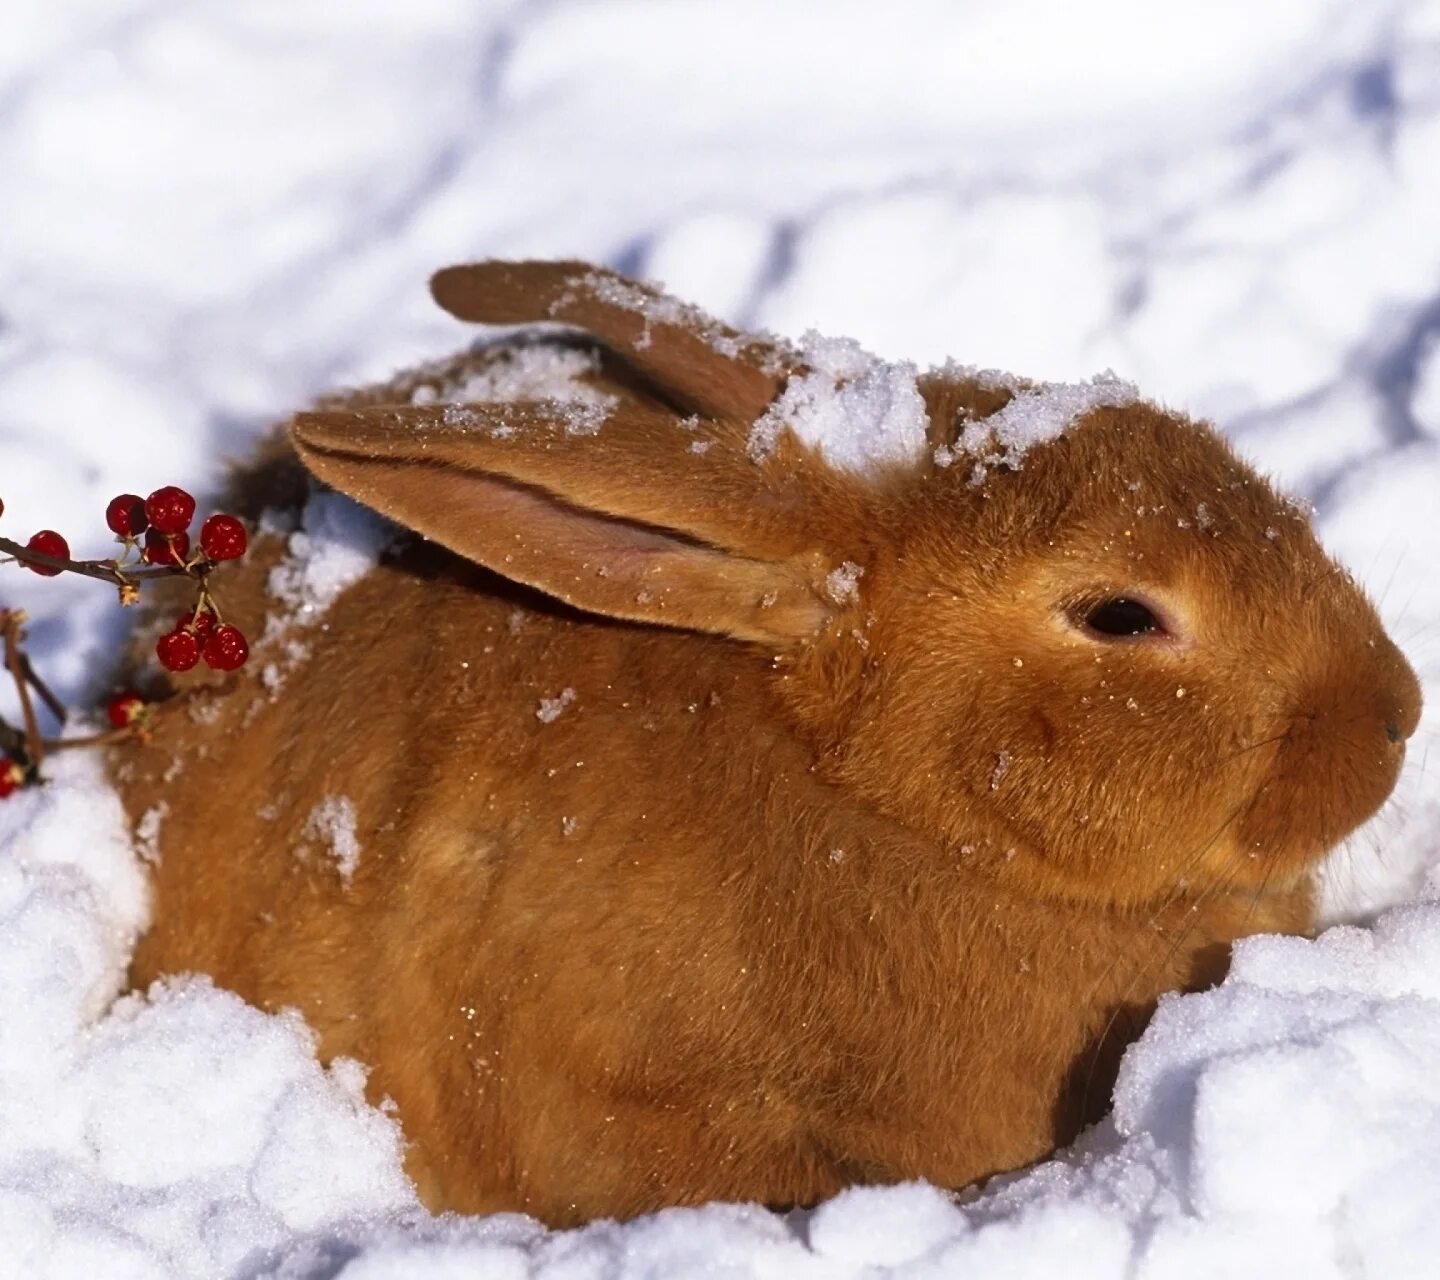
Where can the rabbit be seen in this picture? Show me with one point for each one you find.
(723, 821)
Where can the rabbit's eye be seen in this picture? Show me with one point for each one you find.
(1121, 616)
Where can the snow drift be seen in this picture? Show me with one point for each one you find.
(214, 213)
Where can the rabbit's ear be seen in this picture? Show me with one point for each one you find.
(648, 519)
(700, 364)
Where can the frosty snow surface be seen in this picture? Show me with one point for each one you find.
(213, 213)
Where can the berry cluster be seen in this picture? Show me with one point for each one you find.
(164, 518)
(156, 542)
(157, 531)
(198, 635)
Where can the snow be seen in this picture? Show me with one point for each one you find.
(656, 309)
(332, 823)
(1034, 415)
(548, 377)
(842, 584)
(177, 1134)
(337, 544)
(540, 374)
(536, 373)
(857, 410)
(551, 709)
(214, 213)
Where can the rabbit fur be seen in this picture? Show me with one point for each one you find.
(689, 870)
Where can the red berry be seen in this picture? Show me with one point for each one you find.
(48, 543)
(223, 538)
(126, 515)
(226, 649)
(200, 625)
(163, 548)
(177, 650)
(12, 777)
(170, 509)
(124, 709)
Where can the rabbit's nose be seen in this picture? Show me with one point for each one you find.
(1400, 697)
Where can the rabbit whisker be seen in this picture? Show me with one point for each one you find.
(1151, 930)
(1264, 880)
(1205, 897)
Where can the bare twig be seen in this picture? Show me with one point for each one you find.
(55, 706)
(12, 741)
(10, 624)
(108, 738)
(106, 570)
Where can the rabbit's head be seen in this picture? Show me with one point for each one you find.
(1122, 664)
(1108, 660)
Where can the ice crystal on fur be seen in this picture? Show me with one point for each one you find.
(332, 822)
(843, 584)
(659, 308)
(551, 708)
(1036, 415)
(540, 371)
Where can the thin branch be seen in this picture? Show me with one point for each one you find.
(55, 706)
(34, 743)
(105, 570)
(94, 739)
(11, 739)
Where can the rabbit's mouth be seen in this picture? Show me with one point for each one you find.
(1326, 776)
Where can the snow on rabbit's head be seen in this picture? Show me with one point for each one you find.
(1053, 627)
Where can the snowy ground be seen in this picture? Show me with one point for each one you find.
(209, 212)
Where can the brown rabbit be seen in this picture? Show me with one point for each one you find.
(716, 820)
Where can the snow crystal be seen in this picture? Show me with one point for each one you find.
(536, 371)
(551, 708)
(859, 411)
(584, 419)
(577, 417)
(1035, 415)
(147, 832)
(332, 822)
(458, 419)
(660, 308)
(1002, 767)
(843, 584)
